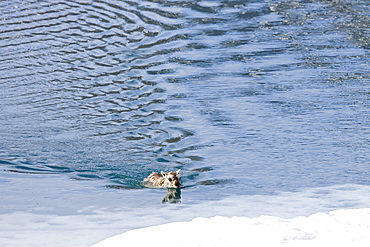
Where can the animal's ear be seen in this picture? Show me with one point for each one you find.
(178, 171)
(163, 173)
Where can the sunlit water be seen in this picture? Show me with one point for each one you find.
(246, 97)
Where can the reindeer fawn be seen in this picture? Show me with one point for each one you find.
(163, 179)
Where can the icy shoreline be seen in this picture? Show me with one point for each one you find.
(76, 213)
(348, 227)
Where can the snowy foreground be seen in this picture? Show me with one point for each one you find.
(350, 227)
(75, 213)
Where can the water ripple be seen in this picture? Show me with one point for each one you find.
(114, 89)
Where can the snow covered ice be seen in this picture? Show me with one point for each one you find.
(337, 228)
(92, 215)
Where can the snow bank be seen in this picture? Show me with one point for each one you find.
(349, 227)
(52, 210)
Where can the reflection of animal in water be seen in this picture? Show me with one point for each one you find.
(172, 196)
(163, 179)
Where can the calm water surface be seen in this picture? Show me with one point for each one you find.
(246, 97)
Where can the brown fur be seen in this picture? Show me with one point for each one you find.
(166, 180)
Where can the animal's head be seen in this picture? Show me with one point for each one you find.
(171, 179)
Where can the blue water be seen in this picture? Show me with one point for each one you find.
(246, 97)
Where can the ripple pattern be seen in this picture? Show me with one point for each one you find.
(110, 90)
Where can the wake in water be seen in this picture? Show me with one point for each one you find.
(251, 99)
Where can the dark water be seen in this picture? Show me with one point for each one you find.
(246, 97)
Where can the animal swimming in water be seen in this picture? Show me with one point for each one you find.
(165, 180)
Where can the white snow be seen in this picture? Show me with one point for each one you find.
(337, 228)
(52, 210)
